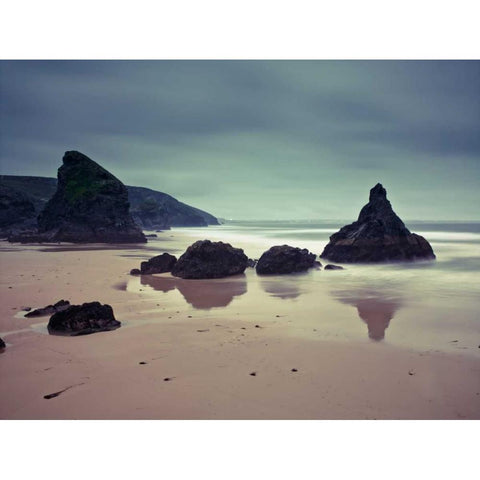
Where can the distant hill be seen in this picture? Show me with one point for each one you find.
(151, 209)
(38, 189)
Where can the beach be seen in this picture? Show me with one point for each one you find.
(366, 342)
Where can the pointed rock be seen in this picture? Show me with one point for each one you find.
(90, 205)
(377, 236)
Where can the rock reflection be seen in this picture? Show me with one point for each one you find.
(374, 308)
(288, 287)
(201, 294)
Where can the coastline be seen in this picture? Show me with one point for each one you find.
(208, 352)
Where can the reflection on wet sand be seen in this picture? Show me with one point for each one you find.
(286, 286)
(201, 294)
(374, 308)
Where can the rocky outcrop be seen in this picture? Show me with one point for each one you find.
(17, 211)
(2, 344)
(157, 210)
(377, 236)
(49, 309)
(159, 264)
(38, 189)
(283, 259)
(83, 319)
(206, 259)
(89, 206)
(152, 210)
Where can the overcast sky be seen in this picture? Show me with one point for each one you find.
(257, 139)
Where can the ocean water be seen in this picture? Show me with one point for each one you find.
(431, 305)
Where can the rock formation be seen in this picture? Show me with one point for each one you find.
(284, 259)
(157, 210)
(17, 211)
(149, 208)
(2, 344)
(377, 236)
(83, 319)
(89, 206)
(159, 264)
(206, 259)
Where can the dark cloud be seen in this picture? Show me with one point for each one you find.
(256, 139)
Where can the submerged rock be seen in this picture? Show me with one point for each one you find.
(252, 262)
(83, 319)
(89, 206)
(330, 266)
(206, 259)
(159, 264)
(2, 344)
(49, 309)
(377, 236)
(283, 259)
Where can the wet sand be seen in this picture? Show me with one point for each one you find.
(240, 348)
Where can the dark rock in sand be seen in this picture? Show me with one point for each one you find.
(206, 259)
(2, 344)
(49, 309)
(284, 259)
(377, 236)
(89, 206)
(152, 235)
(333, 267)
(135, 271)
(83, 319)
(159, 264)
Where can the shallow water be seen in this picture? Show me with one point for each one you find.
(431, 305)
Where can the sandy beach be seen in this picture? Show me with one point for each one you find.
(245, 347)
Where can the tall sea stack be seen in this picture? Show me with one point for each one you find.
(377, 236)
(89, 206)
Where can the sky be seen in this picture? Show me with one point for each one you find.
(257, 139)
